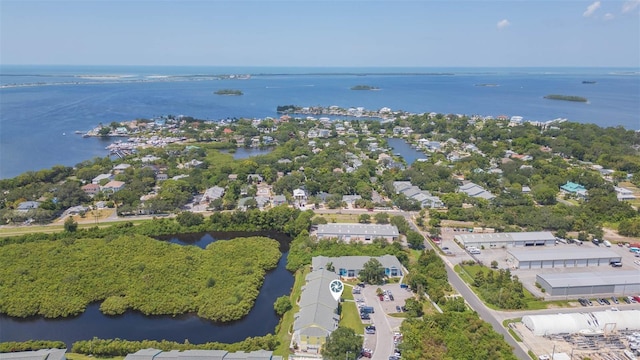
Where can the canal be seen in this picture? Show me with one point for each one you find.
(404, 149)
(134, 325)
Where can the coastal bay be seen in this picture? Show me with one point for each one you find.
(38, 122)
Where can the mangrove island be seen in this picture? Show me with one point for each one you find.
(232, 92)
(566, 98)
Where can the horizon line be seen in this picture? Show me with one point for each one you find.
(343, 66)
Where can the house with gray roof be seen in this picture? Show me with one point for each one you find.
(28, 205)
(213, 193)
(349, 232)
(318, 315)
(475, 190)
(350, 266)
(415, 193)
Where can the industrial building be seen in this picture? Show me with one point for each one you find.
(618, 282)
(498, 240)
(597, 322)
(561, 257)
(348, 232)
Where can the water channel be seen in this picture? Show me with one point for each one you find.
(135, 326)
(404, 149)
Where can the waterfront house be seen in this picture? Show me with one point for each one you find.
(120, 168)
(255, 179)
(42, 354)
(154, 354)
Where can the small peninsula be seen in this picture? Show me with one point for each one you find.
(566, 98)
(364, 87)
(231, 92)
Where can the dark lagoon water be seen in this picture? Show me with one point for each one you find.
(38, 118)
(135, 326)
(402, 148)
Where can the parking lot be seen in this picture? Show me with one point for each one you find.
(387, 327)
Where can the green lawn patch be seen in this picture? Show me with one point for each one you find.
(351, 317)
(286, 323)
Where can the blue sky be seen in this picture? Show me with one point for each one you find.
(321, 33)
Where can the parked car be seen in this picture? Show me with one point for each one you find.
(391, 297)
(626, 299)
(583, 301)
(616, 264)
(364, 316)
(366, 353)
(606, 301)
(370, 329)
(637, 298)
(600, 301)
(398, 308)
(615, 300)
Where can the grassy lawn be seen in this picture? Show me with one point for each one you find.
(286, 323)
(351, 317)
(468, 272)
(511, 332)
(339, 218)
(57, 227)
(350, 314)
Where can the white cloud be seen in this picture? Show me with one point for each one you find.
(503, 24)
(608, 16)
(630, 5)
(591, 9)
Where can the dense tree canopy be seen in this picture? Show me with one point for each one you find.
(60, 278)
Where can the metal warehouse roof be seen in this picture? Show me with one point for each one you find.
(507, 237)
(579, 279)
(357, 229)
(563, 253)
(589, 323)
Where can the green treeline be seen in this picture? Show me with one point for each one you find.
(60, 278)
(499, 288)
(280, 218)
(303, 248)
(566, 98)
(118, 347)
(30, 345)
(429, 274)
(452, 336)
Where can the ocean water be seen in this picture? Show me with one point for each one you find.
(42, 106)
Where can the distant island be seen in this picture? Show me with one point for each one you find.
(487, 85)
(566, 98)
(229, 92)
(364, 87)
(588, 82)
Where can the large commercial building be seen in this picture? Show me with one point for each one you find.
(349, 232)
(350, 266)
(618, 282)
(562, 257)
(596, 322)
(498, 240)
